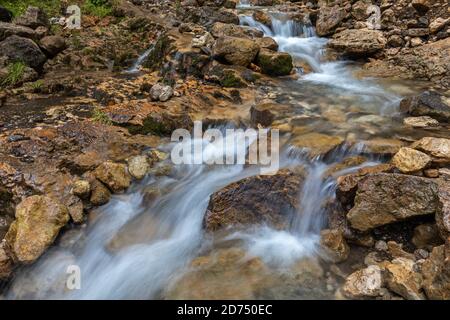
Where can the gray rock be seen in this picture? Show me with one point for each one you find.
(23, 49)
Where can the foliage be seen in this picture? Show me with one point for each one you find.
(18, 7)
(99, 8)
(15, 73)
(101, 117)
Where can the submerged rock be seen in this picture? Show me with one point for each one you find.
(385, 198)
(408, 160)
(38, 221)
(259, 199)
(114, 175)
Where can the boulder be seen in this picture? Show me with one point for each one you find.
(386, 198)
(52, 45)
(274, 63)
(358, 42)
(236, 51)
(409, 160)
(262, 114)
(259, 199)
(262, 17)
(267, 43)
(317, 144)
(220, 29)
(38, 221)
(160, 92)
(364, 283)
(100, 194)
(113, 175)
(334, 245)
(428, 103)
(421, 122)
(436, 273)
(328, 20)
(438, 148)
(138, 167)
(81, 188)
(5, 15)
(10, 29)
(402, 278)
(34, 17)
(17, 48)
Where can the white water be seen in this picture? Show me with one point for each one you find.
(138, 63)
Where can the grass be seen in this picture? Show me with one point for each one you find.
(99, 8)
(37, 85)
(101, 117)
(18, 7)
(15, 73)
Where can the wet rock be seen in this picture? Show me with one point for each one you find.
(5, 15)
(138, 167)
(6, 262)
(52, 45)
(382, 146)
(421, 122)
(160, 92)
(38, 221)
(358, 42)
(10, 29)
(385, 198)
(443, 210)
(267, 43)
(438, 148)
(428, 103)
(334, 245)
(426, 236)
(236, 51)
(436, 273)
(403, 279)
(262, 114)
(34, 17)
(100, 194)
(274, 63)
(17, 48)
(82, 189)
(317, 144)
(328, 20)
(220, 29)
(262, 17)
(364, 283)
(114, 175)
(255, 200)
(409, 160)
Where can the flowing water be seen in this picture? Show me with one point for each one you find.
(141, 247)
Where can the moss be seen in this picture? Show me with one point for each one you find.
(149, 125)
(157, 55)
(99, 8)
(275, 64)
(14, 76)
(229, 79)
(101, 117)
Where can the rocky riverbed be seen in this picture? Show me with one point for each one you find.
(360, 208)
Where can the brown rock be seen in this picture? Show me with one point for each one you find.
(220, 29)
(382, 146)
(6, 263)
(426, 236)
(364, 283)
(114, 175)
(421, 122)
(436, 273)
(334, 245)
(436, 147)
(100, 195)
(443, 209)
(317, 144)
(274, 63)
(236, 51)
(33, 17)
(402, 279)
(408, 160)
(428, 103)
(52, 45)
(358, 42)
(262, 114)
(328, 20)
(81, 188)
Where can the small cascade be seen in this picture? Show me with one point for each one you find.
(139, 61)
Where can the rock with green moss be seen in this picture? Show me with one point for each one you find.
(160, 50)
(274, 63)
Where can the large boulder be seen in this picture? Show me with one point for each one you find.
(220, 29)
(409, 160)
(403, 279)
(358, 42)
(17, 48)
(236, 51)
(386, 198)
(436, 273)
(5, 15)
(52, 45)
(10, 29)
(38, 222)
(259, 199)
(114, 175)
(428, 103)
(328, 20)
(274, 63)
(34, 17)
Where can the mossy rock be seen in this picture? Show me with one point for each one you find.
(161, 49)
(274, 63)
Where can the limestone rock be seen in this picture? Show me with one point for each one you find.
(334, 245)
(402, 279)
(364, 283)
(114, 175)
(138, 166)
(421, 122)
(409, 160)
(236, 51)
(160, 92)
(358, 42)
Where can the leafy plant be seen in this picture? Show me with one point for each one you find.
(101, 117)
(15, 73)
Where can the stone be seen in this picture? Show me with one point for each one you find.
(426, 236)
(428, 103)
(436, 147)
(236, 51)
(220, 29)
(402, 279)
(38, 222)
(274, 63)
(415, 42)
(328, 20)
(82, 189)
(267, 43)
(5, 15)
(381, 146)
(359, 10)
(384, 198)
(100, 194)
(33, 17)
(358, 42)
(52, 45)
(160, 92)
(113, 175)
(395, 250)
(443, 210)
(436, 273)
(364, 283)
(334, 245)
(421, 122)
(10, 29)
(262, 17)
(138, 167)
(262, 3)
(409, 160)
(6, 262)
(438, 24)
(17, 48)
(227, 76)
(395, 41)
(204, 40)
(262, 114)
(421, 6)
(269, 199)
(317, 144)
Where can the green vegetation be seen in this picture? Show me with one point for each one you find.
(99, 8)
(18, 7)
(15, 73)
(37, 85)
(101, 117)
